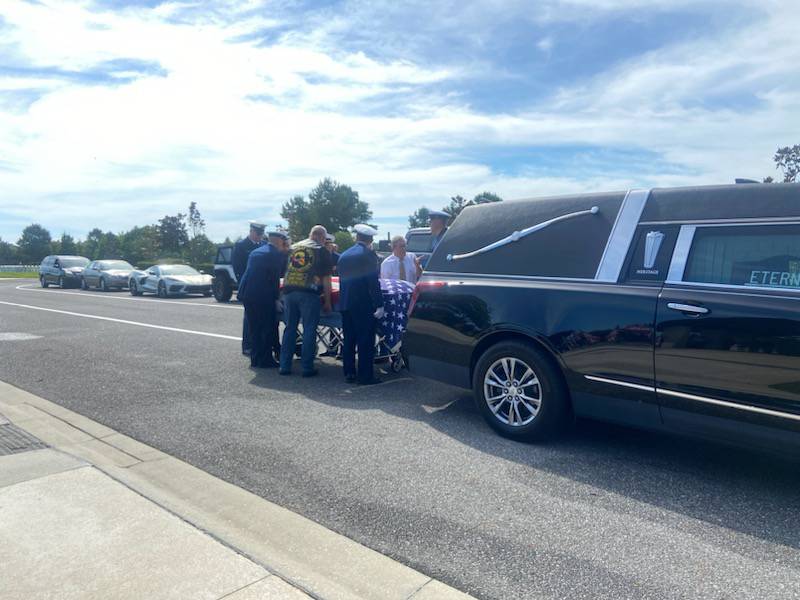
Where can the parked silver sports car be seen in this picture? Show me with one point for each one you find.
(168, 280)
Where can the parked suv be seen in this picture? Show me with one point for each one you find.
(63, 271)
(224, 277)
(669, 309)
(418, 241)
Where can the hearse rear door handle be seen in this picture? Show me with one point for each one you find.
(689, 309)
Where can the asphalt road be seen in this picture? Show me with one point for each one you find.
(408, 467)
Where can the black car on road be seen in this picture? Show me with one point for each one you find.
(669, 309)
(63, 271)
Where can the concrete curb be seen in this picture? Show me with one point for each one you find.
(317, 560)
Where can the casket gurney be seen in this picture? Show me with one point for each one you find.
(388, 341)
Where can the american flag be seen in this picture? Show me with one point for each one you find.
(396, 300)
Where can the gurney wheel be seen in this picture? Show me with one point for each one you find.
(398, 364)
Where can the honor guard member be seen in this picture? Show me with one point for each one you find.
(241, 252)
(438, 224)
(361, 304)
(259, 291)
(308, 274)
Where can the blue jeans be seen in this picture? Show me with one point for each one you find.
(300, 307)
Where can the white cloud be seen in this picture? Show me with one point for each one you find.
(240, 127)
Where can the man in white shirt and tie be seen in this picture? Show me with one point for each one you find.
(400, 264)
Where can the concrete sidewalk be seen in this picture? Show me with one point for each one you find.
(86, 512)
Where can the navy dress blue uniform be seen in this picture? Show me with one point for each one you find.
(359, 297)
(259, 290)
(241, 252)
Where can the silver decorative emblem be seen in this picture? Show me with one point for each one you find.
(651, 247)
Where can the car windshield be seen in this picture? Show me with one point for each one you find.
(73, 262)
(419, 242)
(121, 265)
(177, 270)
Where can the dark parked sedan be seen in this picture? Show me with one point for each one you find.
(668, 309)
(107, 274)
(63, 271)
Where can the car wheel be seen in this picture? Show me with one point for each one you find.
(103, 286)
(133, 288)
(43, 281)
(61, 283)
(223, 290)
(162, 289)
(520, 392)
(84, 286)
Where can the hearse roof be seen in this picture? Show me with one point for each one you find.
(718, 202)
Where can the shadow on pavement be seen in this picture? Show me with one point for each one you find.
(742, 490)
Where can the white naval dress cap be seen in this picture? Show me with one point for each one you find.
(366, 230)
(256, 225)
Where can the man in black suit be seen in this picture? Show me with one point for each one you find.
(361, 304)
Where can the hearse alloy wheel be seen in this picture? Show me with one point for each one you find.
(519, 392)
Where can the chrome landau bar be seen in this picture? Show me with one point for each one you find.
(518, 235)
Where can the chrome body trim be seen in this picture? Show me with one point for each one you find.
(681, 253)
(739, 289)
(635, 386)
(518, 235)
(685, 396)
(621, 236)
(453, 275)
(745, 407)
(728, 222)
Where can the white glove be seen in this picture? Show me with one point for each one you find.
(378, 314)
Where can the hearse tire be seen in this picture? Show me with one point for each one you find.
(524, 410)
(223, 290)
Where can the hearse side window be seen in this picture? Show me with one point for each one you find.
(760, 256)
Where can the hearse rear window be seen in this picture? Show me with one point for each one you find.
(760, 256)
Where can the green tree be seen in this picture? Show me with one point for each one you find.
(298, 214)
(34, 244)
(199, 250)
(344, 239)
(67, 244)
(197, 225)
(91, 245)
(172, 235)
(139, 246)
(334, 205)
(420, 218)
(109, 246)
(8, 253)
(486, 197)
(787, 159)
(459, 203)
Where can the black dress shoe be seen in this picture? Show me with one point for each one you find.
(282, 372)
(373, 381)
(313, 373)
(350, 379)
(270, 364)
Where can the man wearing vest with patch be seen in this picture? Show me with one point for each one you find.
(308, 275)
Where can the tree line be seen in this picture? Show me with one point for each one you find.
(182, 236)
(174, 237)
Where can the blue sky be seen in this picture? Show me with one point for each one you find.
(115, 113)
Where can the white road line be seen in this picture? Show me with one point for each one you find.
(27, 288)
(123, 321)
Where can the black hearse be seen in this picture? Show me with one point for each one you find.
(671, 309)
